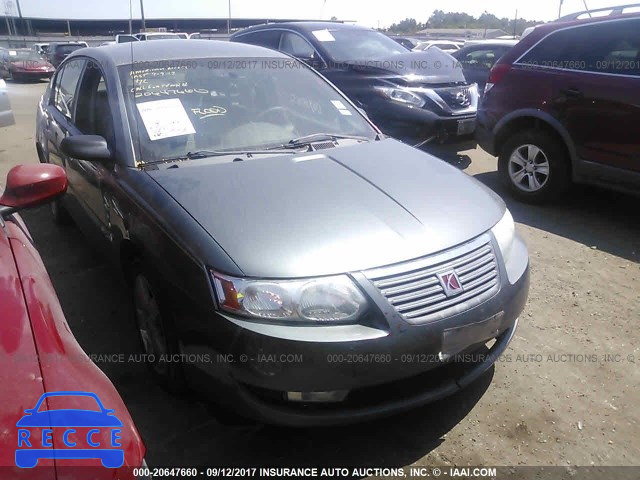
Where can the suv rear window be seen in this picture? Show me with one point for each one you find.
(606, 47)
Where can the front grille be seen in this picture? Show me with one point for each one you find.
(416, 293)
(457, 98)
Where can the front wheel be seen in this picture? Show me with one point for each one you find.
(534, 166)
(157, 333)
(59, 213)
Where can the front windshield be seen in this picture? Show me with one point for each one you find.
(232, 104)
(349, 45)
(21, 55)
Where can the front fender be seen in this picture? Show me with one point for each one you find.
(541, 116)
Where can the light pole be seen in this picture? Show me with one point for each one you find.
(144, 24)
(229, 20)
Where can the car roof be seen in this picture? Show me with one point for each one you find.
(62, 44)
(306, 27)
(541, 31)
(150, 34)
(546, 28)
(172, 50)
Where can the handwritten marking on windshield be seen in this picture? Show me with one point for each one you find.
(209, 112)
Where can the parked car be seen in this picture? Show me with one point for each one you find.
(24, 64)
(59, 51)
(257, 214)
(415, 97)
(478, 58)
(444, 45)
(41, 358)
(406, 42)
(564, 105)
(40, 48)
(593, 12)
(6, 114)
(160, 36)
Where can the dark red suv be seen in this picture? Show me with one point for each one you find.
(564, 105)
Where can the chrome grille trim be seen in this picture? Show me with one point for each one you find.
(413, 289)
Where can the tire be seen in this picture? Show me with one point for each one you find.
(155, 326)
(59, 213)
(534, 166)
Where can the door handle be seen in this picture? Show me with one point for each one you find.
(573, 93)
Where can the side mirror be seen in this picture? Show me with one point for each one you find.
(32, 185)
(86, 147)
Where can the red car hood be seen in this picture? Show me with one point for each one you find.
(20, 374)
(40, 354)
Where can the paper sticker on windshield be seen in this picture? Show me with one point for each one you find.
(323, 35)
(341, 107)
(13, 53)
(165, 119)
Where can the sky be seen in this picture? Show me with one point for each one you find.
(371, 13)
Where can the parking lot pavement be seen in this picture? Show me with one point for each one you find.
(565, 392)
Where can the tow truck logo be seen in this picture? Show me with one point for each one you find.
(31, 448)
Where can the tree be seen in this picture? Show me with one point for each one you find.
(440, 19)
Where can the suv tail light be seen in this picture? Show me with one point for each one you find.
(495, 75)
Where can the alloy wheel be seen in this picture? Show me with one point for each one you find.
(529, 168)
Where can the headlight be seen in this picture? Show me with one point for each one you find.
(327, 299)
(504, 232)
(401, 95)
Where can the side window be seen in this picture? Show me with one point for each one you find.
(263, 38)
(603, 47)
(295, 45)
(93, 111)
(66, 86)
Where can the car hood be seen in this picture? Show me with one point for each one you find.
(432, 66)
(346, 209)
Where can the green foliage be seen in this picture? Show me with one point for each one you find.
(440, 19)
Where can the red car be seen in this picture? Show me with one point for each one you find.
(24, 64)
(41, 356)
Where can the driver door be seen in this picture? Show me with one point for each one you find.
(94, 117)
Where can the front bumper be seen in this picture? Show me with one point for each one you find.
(414, 125)
(32, 74)
(485, 136)
(386, 364)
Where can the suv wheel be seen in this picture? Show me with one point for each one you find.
(534, 166)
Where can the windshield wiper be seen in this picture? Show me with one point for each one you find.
(319, 137)
(211, 153)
